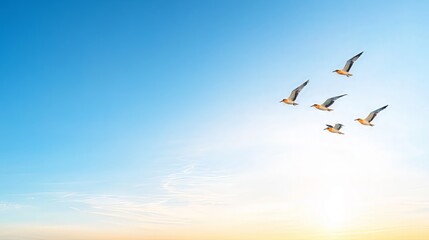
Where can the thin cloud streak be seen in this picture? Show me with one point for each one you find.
(180, 192)
(10, 206)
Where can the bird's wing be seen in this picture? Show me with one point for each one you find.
(296, 91)
(374, 113)
(331, 100)
(338, 126)
(328, 125)
(328, 102)
(350, 62)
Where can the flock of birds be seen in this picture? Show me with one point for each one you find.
(325, 105)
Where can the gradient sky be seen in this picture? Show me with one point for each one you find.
(161, 120)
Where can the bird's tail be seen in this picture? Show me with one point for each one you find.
(294, 104)
(349, 75)
(341, 133)
(329, 110)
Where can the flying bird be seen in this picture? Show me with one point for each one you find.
(349, 64)
(334, 129)
(292, 97)
(325, 106)
(371, 116)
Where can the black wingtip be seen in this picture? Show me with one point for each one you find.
(358, 55)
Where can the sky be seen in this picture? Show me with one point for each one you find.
(161, 120)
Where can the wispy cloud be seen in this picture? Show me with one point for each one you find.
(9, 206)
(179, 193)
(128, 208)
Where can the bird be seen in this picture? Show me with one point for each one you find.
(371, 116)
(334, 129)
(349, 64)
(325, 106)
(292, 97)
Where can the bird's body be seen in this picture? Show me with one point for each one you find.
(334, 129)
(364, 122)
(370, 117)
(325, 106)
(346, 69)
(321, 107)
(342, 72)
(294, 94)
(288, 101)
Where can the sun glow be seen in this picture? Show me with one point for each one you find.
(333, 210)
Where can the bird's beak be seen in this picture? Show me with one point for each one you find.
(325, 129)
(356, 119)
(334, 71)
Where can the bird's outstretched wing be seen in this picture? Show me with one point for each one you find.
(329, 126)
(374, 113)
(296, 91)
(331, 100)
(350, 62)
(338, 126)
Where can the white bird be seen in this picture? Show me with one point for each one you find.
(334, 129)
(371, 116)
(325, 106)
(292, 97)
(349, 64)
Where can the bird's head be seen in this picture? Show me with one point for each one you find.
(336, 70)
(314, 105)
(358, 119)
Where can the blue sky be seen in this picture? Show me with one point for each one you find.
(115, 102)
